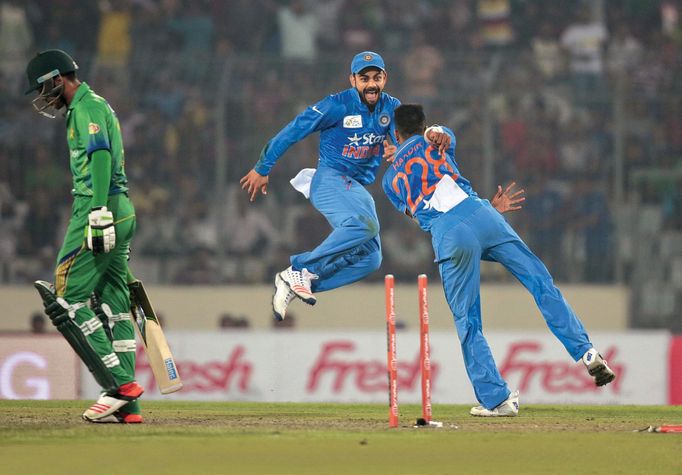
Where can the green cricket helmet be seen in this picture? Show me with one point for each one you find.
(47, 65)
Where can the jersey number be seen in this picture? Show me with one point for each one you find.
(424, 163)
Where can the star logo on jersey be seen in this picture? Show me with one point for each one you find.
(355, 139)
(371, 139)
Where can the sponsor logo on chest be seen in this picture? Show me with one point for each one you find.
(352, 121)
(367, 145)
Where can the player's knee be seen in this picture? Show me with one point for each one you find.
(367, 224)
(375, 259)
(371, 226)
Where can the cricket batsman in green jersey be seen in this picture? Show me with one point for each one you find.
(89, 302)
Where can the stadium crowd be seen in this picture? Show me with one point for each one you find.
(539, 87)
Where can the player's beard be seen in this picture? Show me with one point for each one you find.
(374, 93)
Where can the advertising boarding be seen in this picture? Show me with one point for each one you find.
(278, 366)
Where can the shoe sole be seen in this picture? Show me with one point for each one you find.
(494, 415)
(94, 417)
(602, 375)
(309, 300)
(278, 317)
(499, 415)
(112, 419)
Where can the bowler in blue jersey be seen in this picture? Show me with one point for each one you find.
(427, 185)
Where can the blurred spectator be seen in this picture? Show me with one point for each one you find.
(422, 66)
(584, 40)
(624, 52)
(249, 229)
(41, 224)
(460, 15)
(327, 14)
(38, 322)
(298, 31)
(542, 141)
(12, 215)
(578, 154)
(592, 223)
(495, 19)
(670, 17)
(198, 268)
(16, 40)
(199, 227)
(193, 27)
(114, 42)
(547, 52)
(356, 26)
(543, 222)
(406, 249)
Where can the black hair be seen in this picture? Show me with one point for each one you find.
(410, 120)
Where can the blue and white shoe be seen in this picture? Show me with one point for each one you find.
(509, 408)
(597, 367)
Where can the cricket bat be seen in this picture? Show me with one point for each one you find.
(154, 341)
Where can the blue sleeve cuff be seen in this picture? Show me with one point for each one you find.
(97, 146)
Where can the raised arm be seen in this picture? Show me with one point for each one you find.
(322, 115)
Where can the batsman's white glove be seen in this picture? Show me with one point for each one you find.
(101, 234)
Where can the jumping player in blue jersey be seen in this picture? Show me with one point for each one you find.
(353, 126)
(427, 186)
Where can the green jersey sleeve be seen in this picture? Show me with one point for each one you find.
(93, 122)
(92, 126)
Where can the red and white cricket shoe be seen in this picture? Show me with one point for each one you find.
(106, 405)
(120, 417)
(299, 283)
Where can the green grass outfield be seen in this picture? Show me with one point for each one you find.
(48, 437)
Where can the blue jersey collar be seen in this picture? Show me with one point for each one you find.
(407, 142)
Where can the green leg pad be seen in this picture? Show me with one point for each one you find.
(96, 306)
(60, 318)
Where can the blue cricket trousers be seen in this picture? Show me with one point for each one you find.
(353, 249)
(474, 230)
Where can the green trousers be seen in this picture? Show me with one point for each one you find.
(79, 273)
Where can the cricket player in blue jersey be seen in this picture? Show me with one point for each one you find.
(353, 126)
(427, 186)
